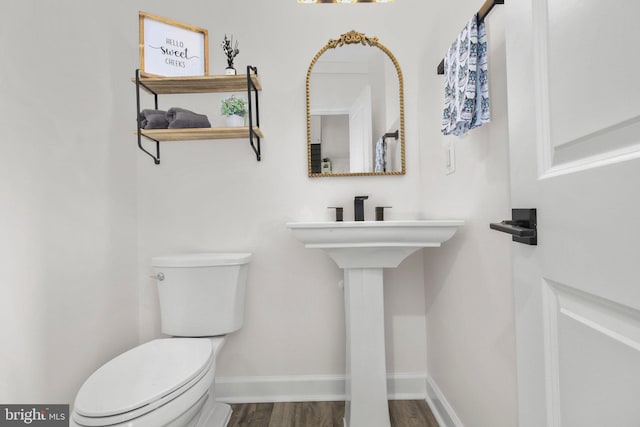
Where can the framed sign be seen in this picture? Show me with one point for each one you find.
(169, 48)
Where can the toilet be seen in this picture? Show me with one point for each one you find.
(170, 381)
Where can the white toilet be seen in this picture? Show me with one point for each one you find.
(170, 381)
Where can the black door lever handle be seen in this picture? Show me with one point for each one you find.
(508, 227)
(522, 226)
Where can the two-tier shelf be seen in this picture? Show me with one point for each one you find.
(201, 84)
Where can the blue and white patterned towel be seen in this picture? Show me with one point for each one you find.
(381, 155)
(466, 92)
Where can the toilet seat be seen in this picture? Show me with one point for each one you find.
(146, 378)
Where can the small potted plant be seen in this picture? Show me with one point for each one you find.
(234, 109)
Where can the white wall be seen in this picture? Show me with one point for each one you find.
(215, 196)
(67, 197)
(470, 331)
(83, 209)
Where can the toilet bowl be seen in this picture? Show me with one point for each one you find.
(170, 381)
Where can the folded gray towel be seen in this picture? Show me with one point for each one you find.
(179, 118)
(153, 119)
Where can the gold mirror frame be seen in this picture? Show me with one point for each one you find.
(353, 37)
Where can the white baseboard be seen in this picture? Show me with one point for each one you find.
(306, 388)
(442, 410)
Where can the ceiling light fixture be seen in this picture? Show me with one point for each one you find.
(344, 1)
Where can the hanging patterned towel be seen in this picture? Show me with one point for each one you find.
(381, 155)
(466, 92)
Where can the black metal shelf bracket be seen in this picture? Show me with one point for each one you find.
(523, 226)
(254, 138)
(156, 157)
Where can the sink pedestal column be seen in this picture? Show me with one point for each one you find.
(366, 387)
(363, 249)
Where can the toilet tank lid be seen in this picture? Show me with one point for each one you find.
(212, 259)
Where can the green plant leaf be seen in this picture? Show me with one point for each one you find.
(233, 106)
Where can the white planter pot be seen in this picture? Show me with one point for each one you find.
(234, 121)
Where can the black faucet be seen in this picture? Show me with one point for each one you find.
(358, 207)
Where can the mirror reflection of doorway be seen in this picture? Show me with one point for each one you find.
(341, 140)
(330, 142)
(360, 140)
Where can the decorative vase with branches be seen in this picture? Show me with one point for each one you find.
(231, 51)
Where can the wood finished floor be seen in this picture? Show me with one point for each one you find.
(403, 413)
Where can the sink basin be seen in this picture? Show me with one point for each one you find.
(363, 249)
(373, 244)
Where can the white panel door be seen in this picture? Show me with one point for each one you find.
(574, 130)
(360, 143)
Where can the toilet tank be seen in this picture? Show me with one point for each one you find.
(201, 294)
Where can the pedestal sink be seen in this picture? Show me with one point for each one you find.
(363, 249)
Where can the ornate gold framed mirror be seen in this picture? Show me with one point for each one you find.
(355, 109)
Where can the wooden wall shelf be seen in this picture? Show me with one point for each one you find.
(192, 134)
(201, 84)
